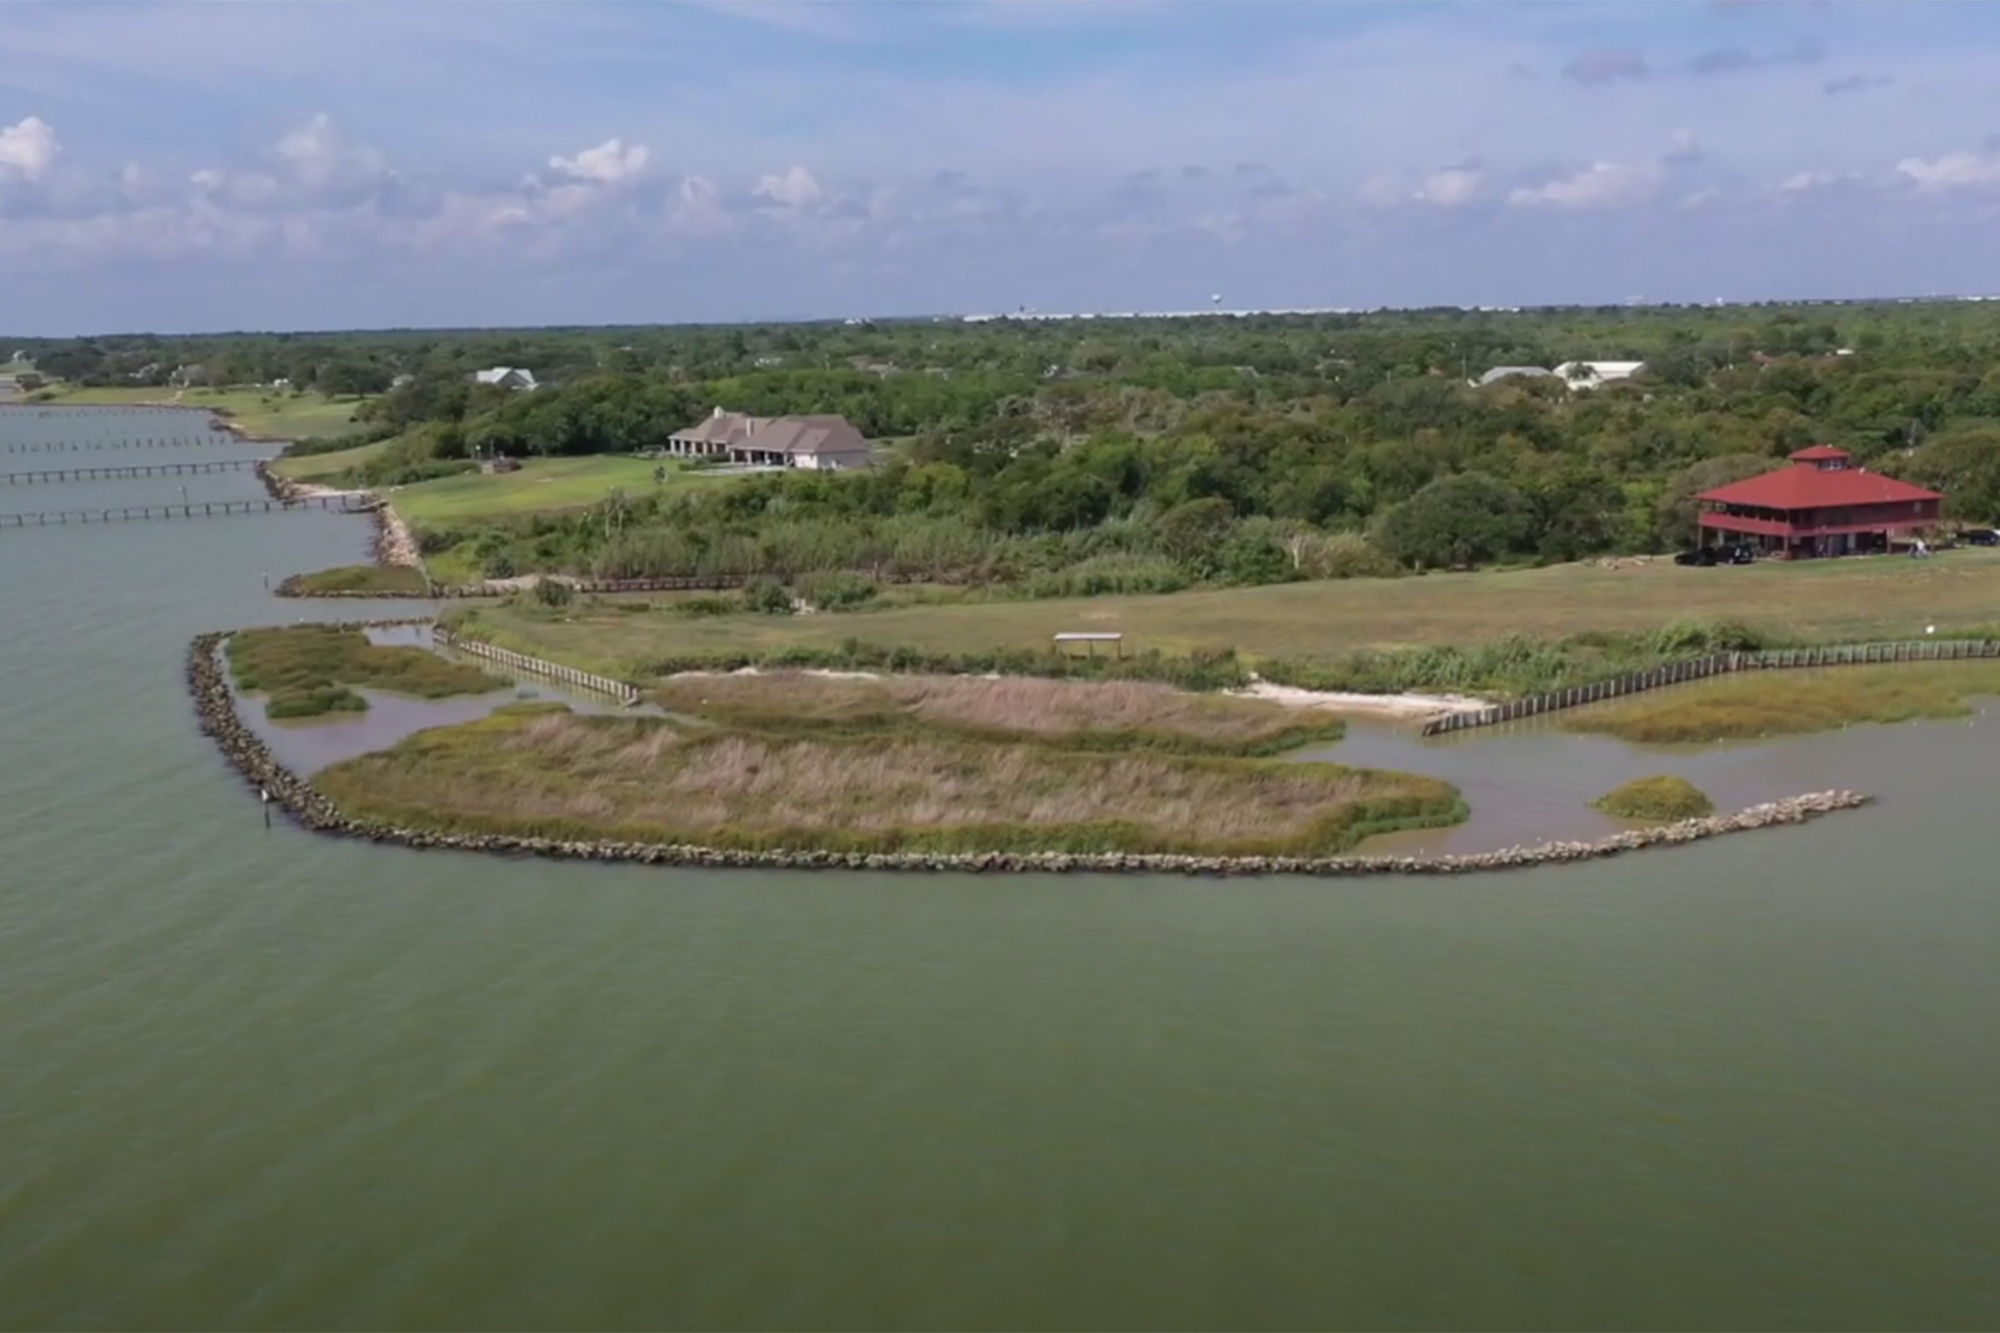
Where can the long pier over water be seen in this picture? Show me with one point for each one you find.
(345, 504)
(43, 475)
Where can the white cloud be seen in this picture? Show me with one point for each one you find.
(1800, 182)
(1451, 187)
(321, 158)
(1601, 185)
(794, 190)
(1382, 190)
(608, 163)
(1684, 149)
(698, 209)
(1952, 171)
(28, 148)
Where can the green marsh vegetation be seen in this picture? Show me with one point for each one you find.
(895, 766)
(1662, 799)
(312, 670)
(388, 580)
(1757, 704)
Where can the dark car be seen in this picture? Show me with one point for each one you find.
(1980, 537)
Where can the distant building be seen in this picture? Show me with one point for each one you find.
(1820, 505)
(818, 443)
(507, 377)
(713, 436)
(1498, 373)
(404, 380)
(823, 443)
(1591, 374)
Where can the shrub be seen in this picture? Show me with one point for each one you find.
(1660, 799)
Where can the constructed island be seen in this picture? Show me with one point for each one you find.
(908, 775)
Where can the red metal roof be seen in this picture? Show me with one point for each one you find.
(1804, 486)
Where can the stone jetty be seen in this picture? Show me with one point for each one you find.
(216, 708)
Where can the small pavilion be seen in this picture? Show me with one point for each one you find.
(1821, 505)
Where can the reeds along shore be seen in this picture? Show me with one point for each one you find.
(215, 707)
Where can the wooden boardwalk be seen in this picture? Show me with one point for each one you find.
(216, 436)
(345, 504)
(43, 476)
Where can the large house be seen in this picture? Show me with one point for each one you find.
(1820, 505)
(1591, 374)
(821, 443)
(507, 377)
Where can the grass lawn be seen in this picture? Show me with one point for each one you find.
(324, 467)
(1789, 703)
(277, 416)
(541, 484)
(1825, 601)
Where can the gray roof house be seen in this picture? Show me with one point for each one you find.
(1498, 373)
(714, 435)
(823, 443)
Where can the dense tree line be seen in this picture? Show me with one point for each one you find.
(1073, 455)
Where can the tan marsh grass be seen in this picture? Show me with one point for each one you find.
(644, 779)
(1012, 705)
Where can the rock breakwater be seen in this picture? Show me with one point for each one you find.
(215, 708)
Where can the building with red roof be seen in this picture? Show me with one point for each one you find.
(1821, 505)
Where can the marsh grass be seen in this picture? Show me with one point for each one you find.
(1662, 799)
(537, 771)
(388, 580)
(1108, 715)
(1787, 703)
(309, 670)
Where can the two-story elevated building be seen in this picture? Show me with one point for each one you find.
(1821, 505)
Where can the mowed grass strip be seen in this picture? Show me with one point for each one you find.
(541, 484)
(327, 468)
(276, 416)
(308, 670)
(543, 772)
(1757, 704)
(1109, 715)
(1829, 601)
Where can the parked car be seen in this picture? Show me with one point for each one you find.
(1980, 537)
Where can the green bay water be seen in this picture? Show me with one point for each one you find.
(257, 1079)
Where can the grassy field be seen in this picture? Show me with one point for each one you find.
(306, 670)
(276, 416)
(541, 771)
(326, 467)
(1659, 800)
(1785, 703)
(541, 484)
(1110, 715)
(1827, 601)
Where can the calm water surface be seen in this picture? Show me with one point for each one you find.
(261, 1080)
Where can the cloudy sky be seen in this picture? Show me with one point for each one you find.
(202, 166)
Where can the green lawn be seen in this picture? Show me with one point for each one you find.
(541, 484)
(277, 416)
(1826, 601)
(319, 467)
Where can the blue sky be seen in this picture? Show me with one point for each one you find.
(183, 167)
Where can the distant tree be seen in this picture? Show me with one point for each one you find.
(1465, 519)
(1676, 512)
